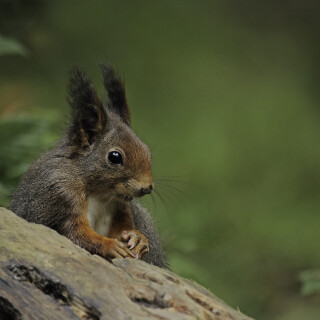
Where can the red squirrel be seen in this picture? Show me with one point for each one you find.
(84, 187)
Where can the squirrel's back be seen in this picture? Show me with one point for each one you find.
(46, 184)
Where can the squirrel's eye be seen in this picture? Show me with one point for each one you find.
(115, 157)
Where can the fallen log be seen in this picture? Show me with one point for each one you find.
(43, 275)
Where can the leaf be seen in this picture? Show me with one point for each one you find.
(26, 138)
(9, 46)
(310, 282)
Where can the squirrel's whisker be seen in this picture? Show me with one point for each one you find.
(162, 185)
(161, 198)
(167, 189)
(172, 179)
(171, 192)
(109, 201)
(154, 203)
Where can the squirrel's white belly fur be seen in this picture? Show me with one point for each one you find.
(99, 215)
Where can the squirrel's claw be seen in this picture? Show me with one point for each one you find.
(117, 249)
(136, 242)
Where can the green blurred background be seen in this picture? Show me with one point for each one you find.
(226, 94)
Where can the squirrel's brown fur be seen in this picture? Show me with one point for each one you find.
(78, 189)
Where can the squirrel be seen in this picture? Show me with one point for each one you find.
(84, 187)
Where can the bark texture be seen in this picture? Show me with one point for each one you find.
(43, 275)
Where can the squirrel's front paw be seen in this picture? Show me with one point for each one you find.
(115, 249)
(136, 242)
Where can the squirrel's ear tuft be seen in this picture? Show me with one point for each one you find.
(116, 92)
(89, 118)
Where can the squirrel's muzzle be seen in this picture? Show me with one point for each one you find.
(144, 191)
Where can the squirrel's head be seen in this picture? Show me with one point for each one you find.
(112, 159)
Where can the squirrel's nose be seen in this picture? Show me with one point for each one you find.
(147, 190)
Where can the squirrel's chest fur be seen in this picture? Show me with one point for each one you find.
(100, 214)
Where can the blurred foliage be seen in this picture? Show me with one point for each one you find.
(226, 94)
(311, 282)
(11, 46)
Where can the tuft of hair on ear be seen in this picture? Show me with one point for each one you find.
(89, 118)
(116, 92)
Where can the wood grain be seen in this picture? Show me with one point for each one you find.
(43, 275)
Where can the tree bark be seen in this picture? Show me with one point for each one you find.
(43, 275)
